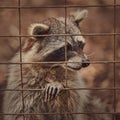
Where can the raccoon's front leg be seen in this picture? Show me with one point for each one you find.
(52, 90)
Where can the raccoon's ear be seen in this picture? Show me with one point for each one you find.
(38, 29)
(79, 15)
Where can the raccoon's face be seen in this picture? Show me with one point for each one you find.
(58, 48)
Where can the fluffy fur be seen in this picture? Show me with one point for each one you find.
(46, 76)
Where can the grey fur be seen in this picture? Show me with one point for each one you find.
(37, 76)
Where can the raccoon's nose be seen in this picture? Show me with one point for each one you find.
(85, 63)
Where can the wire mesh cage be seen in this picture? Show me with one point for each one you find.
(101, 30)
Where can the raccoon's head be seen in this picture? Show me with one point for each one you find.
(54, 48)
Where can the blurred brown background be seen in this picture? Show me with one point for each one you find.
(99, 48)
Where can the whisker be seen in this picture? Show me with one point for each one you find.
(91, 54)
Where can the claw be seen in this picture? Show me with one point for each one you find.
(55, 92)
(51, 91)
(46, 92)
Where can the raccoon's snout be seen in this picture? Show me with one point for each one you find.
(85, 63)
(76, 63)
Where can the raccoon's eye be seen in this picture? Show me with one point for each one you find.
(81, 44)
(69, 47)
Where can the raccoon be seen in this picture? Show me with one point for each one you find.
(53, 73)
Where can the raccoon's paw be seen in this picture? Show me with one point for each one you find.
(51, 91)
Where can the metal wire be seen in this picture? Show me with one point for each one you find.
(55, 6)
(106, 89)
(62, 62)
(114, 113)
(19, 13)
(114, 58)
(49, 35)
